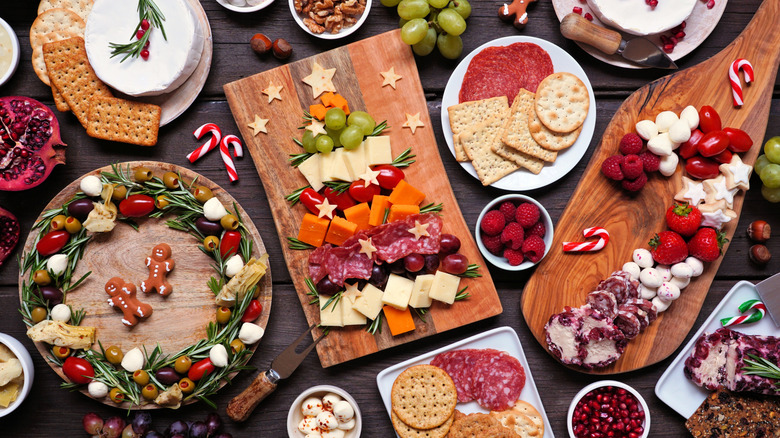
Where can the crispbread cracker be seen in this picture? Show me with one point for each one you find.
(424, 396)
(515, 132)
(406, 431)
(80, 7)
(562, 102)
(53, 20)
(121, 120)
(554, 141)
(467, 115)
(37, 41)
(478, 143)
(480, 426)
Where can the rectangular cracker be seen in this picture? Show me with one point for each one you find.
(478, 143)
(121, 120)
(516, 134)
(468, 115)
(59, 101)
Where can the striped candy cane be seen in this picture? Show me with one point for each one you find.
(736, 85)
(224, 150)
(216, 136)
(758, 308)
(589, 246)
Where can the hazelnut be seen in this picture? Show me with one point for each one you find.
(759, 254)
(759, 231)
(260, 43)
(282, 49)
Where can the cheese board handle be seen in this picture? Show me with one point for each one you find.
(243, 404)
(577, 28)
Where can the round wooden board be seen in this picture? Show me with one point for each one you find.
(178, 320)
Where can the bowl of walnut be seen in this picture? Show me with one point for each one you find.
(330, 19)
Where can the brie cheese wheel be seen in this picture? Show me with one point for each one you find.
(638, 18)
(170, 61)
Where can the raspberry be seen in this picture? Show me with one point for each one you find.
(632, 166)
(636, 184)
(509, 211)
(611, 167)
(650, 161)
(630, 144)
(493, 243)
(492, 223)
(533, 248)
(537, 230)
(512, 236)
(527, 214)
(513, 256)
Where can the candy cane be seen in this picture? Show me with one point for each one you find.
(208, 146)
(589, 246)
(224, 150)
(758, 308)
(736, 85)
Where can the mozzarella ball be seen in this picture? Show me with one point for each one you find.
(97, 389)
(327, 421)
(691, 117)
(661, 305)
(646, 129)
(669, 164)
(668, 291)
(660, 145)
(233, 265)
(311, 407)
(682, 270)
(214, 210)
(665, 272)
(57, 264)
(643, 258)
(133, 360)
(219, 356)
(679, 132)
(335, 433)
(349, 425)
(696, 265)
(91, 185)
(330, 400)
(343, 411)
(308, 425)
(250, 333)
(664, 120)
(647, 293)
(633, 270)
(680, 282)
(650, 278)
(60, 312)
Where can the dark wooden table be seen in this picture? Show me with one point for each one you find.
(51, 411)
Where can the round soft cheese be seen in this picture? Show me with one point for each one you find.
(170, 61)
(638, 18)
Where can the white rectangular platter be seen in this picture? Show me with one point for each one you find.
(502, 338)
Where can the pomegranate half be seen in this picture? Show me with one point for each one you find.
(9, 234)
(30, 144)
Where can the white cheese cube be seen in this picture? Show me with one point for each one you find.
(378, 150)
(370, 302)
(422, 285)
(355, 160)
(326, 166)
(311, 170)
(339, 170)
(444, 287)
(351, 316)
(397, 292)
(332, 316)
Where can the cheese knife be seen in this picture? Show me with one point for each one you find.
(638, 50)
(265, 383)
(769, 291)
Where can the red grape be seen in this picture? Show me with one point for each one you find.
(113, 427)
(431, 263)
(379, 276)
(450, 244)
(327, 287)
(414, 262)
(92, 423)
(455, 264)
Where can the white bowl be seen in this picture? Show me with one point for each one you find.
(600, 384)
(27, 366)
(327, 35)
(14, 55)
(262, 5)
(501, 262)
(295, 416)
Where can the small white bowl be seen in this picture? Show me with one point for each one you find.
(600, 384)
(327, 35)
(295, 416)
(257, 7)
(27, 367)
(4, 77)
(501, 262)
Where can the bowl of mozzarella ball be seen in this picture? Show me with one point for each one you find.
(324, 411)
(245, 5)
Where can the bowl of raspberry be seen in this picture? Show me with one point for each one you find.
(514, 232)
(608, 408)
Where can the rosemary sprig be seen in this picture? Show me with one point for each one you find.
(431, 208)
(335, 299)
(296, 159)
(462, 294)
(376, 325)
(337, 186)
(147, 10)
(297, 245)
(379, 129)
(471, 272)
(295, 197)
(760, 366)
(312, 291)
(404, 159)
(420, 313)
(387, 213)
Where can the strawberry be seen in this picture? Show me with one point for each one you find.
(668, 248)
(706, 244)
(683, 219)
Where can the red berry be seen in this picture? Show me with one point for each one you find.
(508, 209)
(668, 248)
(145, 54)
(632, 167)
(140, 33)
(537, 230)
(492, 223)
(145, 24)
(683, 219)
(630, 144)
(513, 235)
(635, 185)
(527, 214)
(577, 10)
(589, 18)
(611, 167)
(533, 248)
(493, 243)
(706, 244)
(650, 161)
(513, 256)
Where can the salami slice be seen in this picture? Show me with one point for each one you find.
(498, 381)
(395, 242)
(603, 302)
(628, 323)
(459, 364)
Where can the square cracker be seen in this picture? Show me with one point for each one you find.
(467, 116)
(490, 167)
(516, 133)
(115, 119)
(59, 101)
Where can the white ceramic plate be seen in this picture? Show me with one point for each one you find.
(247, 8)
(673, 388)
(327, 35)
(522, 180)
(502, 338)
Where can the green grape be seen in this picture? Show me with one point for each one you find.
(425, 47)
(410, 9)
(771, 195)
(462, 7)
(334, 135)
(414, 31)
(324, 143)
(772, 149)
(770, 175)
(309, 145)
(363, 120)
(390, 3)
(335, 118)
(401, 22)
(451, 22)
(760, 163)
(351, 137)
(450, 46)
(438, 4)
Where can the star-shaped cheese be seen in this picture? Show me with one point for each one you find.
(352, 291)
(369, 177)
(716, 214)
(272, 91)
(320, 80)
(716, 190)
(325, 209)
(413, 122)
(316, 128)
(367, 247)
(419, 230)
(692, 192)
(737, 173)
(258, 125)
(390, 78)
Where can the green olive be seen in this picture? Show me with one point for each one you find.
(236, 346)
(171, 180)
(182, 364)
(141, 377)
(114, 355)
(202, 194)
(256, 293)
(229, 222)
(41, 277)
(161, 202)
(150, 392)
(61, 352)
(120, 192)
(116, 395)
(223, 315)
(72, 225)
(38, 314)
(58, 222)
(143, 174)
(186, 385)
(211, 242)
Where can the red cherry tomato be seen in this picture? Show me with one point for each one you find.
(200, 369)
(713, 143)
(739, 140)
(52, 242)
(361, 193)
(136, 206)
(342, 200)
(691, 147)
(310, 199)
(78, 370)
(252, 311)
(723, 157)
(702, 168)
(709, 120)
(389, 176)
(229, 244)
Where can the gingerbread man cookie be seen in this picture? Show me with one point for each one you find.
(123, 297)
(159, 264)
(515, 12)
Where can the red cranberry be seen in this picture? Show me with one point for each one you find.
(145, 54)
(140, 33)
(145, 24)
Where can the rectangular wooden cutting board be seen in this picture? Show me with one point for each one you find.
(358, 66)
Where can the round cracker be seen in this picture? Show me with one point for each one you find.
(553, 141)
(37, 55)
(52, 20)
(81, 7)
(562, 102)
(520, 423)
(406, 431)
(424, 396)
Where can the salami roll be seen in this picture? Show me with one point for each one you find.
(498, 381)
(604, 302)
(628, 323)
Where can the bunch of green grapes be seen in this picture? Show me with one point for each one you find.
(429, 24)
(342, 131)
(768, 169)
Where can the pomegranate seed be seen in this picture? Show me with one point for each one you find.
(668, 48)
(682, 25)
(145, 54)
(673, 40)
(577, 10)
(145, 24)
(588, 16)
(710, 4)
(140, 33)
(146, 46)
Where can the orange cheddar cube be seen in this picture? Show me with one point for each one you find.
(359, 214)
(340, 230)
(318, 111)
(313, 229)
(399, 321)
(327, 99)
(405, 193)
(338, 101)
(402, 211)
(379, 204)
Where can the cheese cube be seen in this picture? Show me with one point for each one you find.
(351, 316)
(422, 285)
(370, 302)
(355, 160)
(326, 166)
(444, 287)
(339, 170)
(332, 316)
(311, 170)
(397, 292)
(378, 150)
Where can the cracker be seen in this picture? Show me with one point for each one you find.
(554, 141)
(523, 160)
(480, 426)
(516, 134)
(528, 409)
(37, 41)
(122, 120)
(523, 418)
(490, 167)
(405, 431)
(562, 102)
(467, 115)
(53, 20)
(80, 7)
(59, 101)
(424, 396)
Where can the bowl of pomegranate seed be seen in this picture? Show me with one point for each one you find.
(514, 232)
(619, 409)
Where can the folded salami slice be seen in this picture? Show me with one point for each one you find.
(603, 302)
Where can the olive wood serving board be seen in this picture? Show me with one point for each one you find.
(564, 279)
(357, 78)
(178, 320)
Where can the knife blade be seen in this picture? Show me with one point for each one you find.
(638, 50)
(769, 291)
